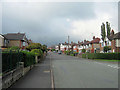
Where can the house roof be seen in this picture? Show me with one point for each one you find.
(116, 36)
(96, 40)
(14, 36)
(1, 36)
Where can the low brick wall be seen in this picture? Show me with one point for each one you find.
(11, 77)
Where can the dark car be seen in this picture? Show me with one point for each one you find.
(59, 52)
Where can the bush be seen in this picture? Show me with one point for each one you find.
(110, 56)
(28, 58)
(75, 53)
(37, 52)
(106, 48)
(83, 50)
(68, 52)
(10, 60)
(83, 55)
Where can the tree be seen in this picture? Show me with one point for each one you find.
(108, 29)
(44, 48)
(37, 52)
(103, 33)
(34, 46)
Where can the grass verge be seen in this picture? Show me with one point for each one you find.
(108, 60)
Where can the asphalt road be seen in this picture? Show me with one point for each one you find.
(62, 71)
(73, 72)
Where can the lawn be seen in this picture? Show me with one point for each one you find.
(108, 60)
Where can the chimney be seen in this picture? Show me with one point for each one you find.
(112, 33)
(71, 42)
(93, 37)
(84, 40)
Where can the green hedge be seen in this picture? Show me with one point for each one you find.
(10, 59)
(28, 58)
(110, 56)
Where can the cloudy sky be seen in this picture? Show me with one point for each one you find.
(51, 22)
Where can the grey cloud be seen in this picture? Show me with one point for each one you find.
(45, 22)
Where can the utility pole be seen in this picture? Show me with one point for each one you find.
(68, 42)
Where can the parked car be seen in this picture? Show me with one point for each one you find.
(59, 52)
(54, 51)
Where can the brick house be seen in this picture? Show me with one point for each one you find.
(115, 42)
(16, 39)
(1, 41)
(94, 45)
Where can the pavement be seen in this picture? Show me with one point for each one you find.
(63, 71)
(38, 77)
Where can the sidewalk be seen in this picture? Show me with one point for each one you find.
(38, 77)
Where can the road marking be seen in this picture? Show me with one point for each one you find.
(47, 71)
(113, 66)
(52, 76)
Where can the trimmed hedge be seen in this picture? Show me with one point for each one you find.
(110, 56)
(28, 58)
(10, 59)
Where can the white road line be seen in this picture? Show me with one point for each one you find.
(113, 66)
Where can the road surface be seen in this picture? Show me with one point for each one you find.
(70, 72)
(73, 72)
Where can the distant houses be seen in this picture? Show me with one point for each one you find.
(96, 45)
(14, 39)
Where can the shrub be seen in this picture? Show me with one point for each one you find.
(10, 60)
(68, 52)
(106, 48)
(28, 58)
(83, 50)
(83, 55)
(75, 53)
(110, 56)
(37, 52)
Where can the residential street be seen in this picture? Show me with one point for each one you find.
(70, 72)
(73, 72)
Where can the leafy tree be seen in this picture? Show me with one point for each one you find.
(106, 48)
(103, 33)
(44, 48)
(37, 52)
(108, 29)
(34, 46)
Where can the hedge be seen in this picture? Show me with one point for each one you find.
(28, 58)
(110, 56)
(10, 59)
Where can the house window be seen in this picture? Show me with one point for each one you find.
(102, 44)
(117, 43)
(109, 43)
(23, 43)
